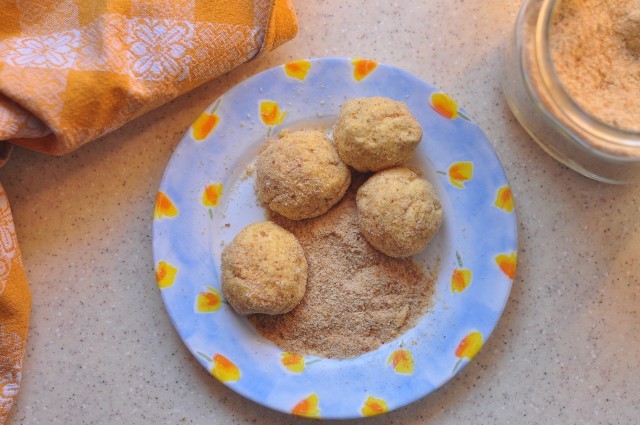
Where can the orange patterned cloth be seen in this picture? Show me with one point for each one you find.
(15, 305)
(74, 70)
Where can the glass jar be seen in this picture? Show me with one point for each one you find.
(549, 114)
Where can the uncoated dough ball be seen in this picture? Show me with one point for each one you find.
(374, 133)
(301, 175)
(264, 270)
(398, 212)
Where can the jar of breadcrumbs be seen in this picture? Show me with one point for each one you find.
(571, 76)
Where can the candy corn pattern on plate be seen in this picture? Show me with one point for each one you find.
(206, 197)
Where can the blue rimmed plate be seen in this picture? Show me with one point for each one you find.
(206, 197)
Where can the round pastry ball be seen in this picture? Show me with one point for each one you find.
(301, 175)
(263, 270)
(374, 133)
(398, 212)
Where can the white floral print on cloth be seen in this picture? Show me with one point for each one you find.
(11, 351)
(71, 71)
(159, 49)
(49, 51)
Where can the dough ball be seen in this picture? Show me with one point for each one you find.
(398, 212)
(374, 133)
(264, 270)
(301, 175)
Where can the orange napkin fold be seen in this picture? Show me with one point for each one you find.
(74, 70)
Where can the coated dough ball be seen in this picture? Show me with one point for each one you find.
(374, 133)
(264, 270)
(301, 175)
(398, 212)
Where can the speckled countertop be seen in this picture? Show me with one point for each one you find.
(102, 350)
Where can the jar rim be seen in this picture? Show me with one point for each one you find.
(574, 112)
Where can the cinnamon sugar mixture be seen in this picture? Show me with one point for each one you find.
(356, 299)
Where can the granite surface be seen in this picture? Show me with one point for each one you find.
(102, 350)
